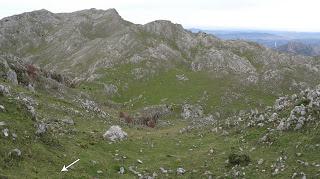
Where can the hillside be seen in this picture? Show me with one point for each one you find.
(300, 48)
(191, 104)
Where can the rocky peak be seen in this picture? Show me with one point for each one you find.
(40, 11)
(96, 13)
(112, 11)
(164, 28)
(41, 15)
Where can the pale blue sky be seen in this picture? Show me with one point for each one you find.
(294, 15)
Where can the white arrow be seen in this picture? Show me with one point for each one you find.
(65, 168)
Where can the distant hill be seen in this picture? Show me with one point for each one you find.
(302, 43)
(296, 47)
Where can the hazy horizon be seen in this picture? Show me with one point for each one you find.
(272, 15)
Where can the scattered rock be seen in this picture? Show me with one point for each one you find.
(181, 171)
(14, 135)
(15, 153)
(134, 171)
(266, 139)
(99, 172)
(4, 90)
(139, 161)
(164, 171)
(260, 161)
(182, 77)
(32, 112)
(208, 173)
(115, 133)
(2, 108)
(89, 105)
(279, 165)
(41, 129)
(5, 132)
(281, 103)
(2, 123)
(121, 170)
(68, 121)
(298, 154)
(110, 89)
(191, 111)
(300, 175)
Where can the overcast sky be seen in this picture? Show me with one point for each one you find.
(294, 15)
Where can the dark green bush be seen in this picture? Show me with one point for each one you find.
(236, 159)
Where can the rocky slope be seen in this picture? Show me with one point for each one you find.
(83, 42)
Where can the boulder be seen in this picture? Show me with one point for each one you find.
(115, 133)
(181, 171)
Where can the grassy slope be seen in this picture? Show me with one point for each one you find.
(163, 87)
(44, 157)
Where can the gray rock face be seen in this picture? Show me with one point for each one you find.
(164, 28)
(12, 77)
(114, 134)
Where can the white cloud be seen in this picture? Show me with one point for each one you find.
(262, 14)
